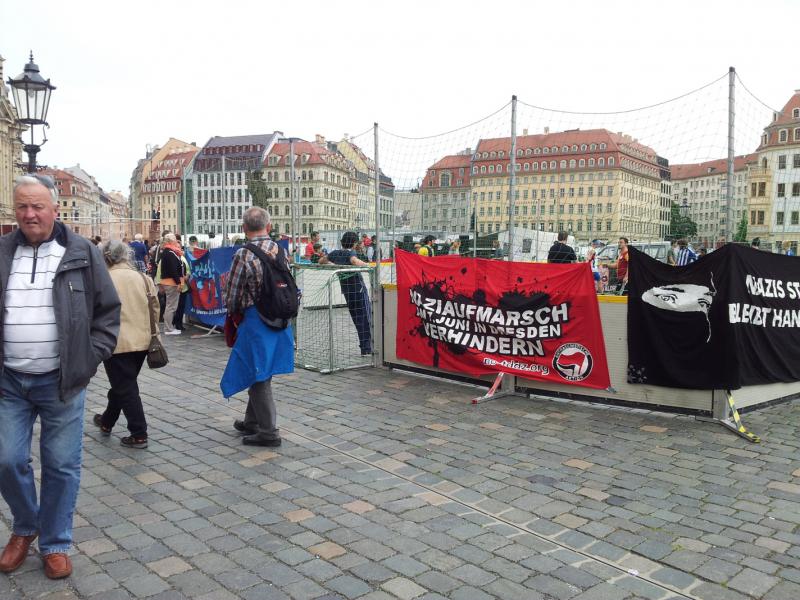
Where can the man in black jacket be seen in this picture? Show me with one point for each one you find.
(560, 252)
(60, 320)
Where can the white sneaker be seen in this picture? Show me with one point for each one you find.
(173, 332)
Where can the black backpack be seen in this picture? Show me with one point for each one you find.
(278, 301)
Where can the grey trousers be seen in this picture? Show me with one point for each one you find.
(261, 413)
(173, 294)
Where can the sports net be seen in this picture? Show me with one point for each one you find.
(597, 176)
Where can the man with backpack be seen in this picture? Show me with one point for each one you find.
(261, 296)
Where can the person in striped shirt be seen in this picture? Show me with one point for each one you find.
(61, 318)
(685, 254)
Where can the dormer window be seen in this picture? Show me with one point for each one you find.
(796, 113)
(783, 135)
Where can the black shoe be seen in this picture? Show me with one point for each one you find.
(257, 440)
(98, 420)
(134, 442)
(242, 428)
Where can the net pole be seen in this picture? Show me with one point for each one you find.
(377, 304)
(293, 201)
(729, 191)
(512, 180)
(224, 204)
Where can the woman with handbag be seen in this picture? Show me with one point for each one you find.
(137, 293)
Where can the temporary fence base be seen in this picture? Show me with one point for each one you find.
(507, 388)
(208, 331)
(724, 413)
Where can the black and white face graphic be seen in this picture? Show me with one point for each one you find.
(680, 298)
(685, 297)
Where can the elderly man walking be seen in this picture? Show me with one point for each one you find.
(260, 351)
(60, 320)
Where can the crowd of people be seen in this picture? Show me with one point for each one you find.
(72, 303)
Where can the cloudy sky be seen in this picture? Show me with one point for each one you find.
(135, 73)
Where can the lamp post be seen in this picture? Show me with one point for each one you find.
(32, 100)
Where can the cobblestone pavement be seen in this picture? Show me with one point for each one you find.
(389, 485)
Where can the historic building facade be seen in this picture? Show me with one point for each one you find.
(363, 189)
(10, 154)
(162, 190)
(775, 181)
(704, 186)
(144, 214)
(445, 190)
(220, 173)
(592, 184)
(322, 186)
(77, 201)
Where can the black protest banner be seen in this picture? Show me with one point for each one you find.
(728, 320)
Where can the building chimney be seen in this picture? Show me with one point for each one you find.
(546, 130)
(320, 139)
(525, 131)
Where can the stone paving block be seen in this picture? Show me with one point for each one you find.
(753, 583)
(403, 588)
(144, 587)
(327, 550)
(405, 565)
(348, 586)
(166, 567)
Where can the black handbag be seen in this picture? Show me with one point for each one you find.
(156, 353)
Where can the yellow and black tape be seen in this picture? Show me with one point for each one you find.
(738, 420)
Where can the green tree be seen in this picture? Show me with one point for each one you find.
(679, 226)
(741, 230)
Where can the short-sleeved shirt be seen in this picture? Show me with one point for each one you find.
(426, 251)
(341, 257)
(622, 265)
(348, 281)
(139, 250)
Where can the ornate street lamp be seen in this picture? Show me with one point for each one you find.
(32, 100)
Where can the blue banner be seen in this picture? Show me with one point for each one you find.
(209, 273)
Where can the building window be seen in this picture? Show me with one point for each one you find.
(795, 217)
(760, 217)
(782, 161)
(783, 135)
(779, 218)
(762, 188)
(781, 190)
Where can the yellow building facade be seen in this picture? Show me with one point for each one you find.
(593, 184)
(10, 152)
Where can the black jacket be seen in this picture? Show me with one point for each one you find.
(561, 253)
(171, 266)
(85, 302)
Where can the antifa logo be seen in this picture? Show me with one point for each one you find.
(573, 362)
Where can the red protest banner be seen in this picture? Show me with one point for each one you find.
(476, 316)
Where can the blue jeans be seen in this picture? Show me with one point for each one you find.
(356, 294)
(24, 396)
